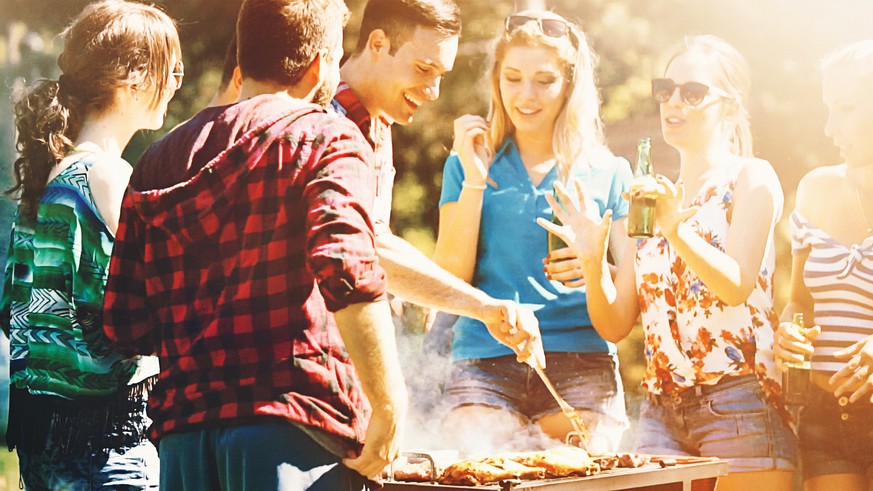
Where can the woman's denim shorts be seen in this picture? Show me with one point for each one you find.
(730, 419)
(130, 469)
(589, 382)
(836, 437)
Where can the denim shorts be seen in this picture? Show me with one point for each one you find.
(836, 437)
(131, 469)
(731, 420)
(589, 382)
(253, 457)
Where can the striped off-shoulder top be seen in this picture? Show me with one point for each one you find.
(840, 279)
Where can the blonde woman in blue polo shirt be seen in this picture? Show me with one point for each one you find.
(543, 127)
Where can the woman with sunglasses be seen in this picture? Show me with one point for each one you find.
(77, 409)
(703, 283)
(544, 126)
(832, 285)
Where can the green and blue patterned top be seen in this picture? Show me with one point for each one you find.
(52, 302)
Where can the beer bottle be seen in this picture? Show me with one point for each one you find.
(795, 380)
(641, 214)
(555, 242)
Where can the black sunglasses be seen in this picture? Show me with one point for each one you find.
(550, 27)
(691, 93)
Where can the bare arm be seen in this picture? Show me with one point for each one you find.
(618, 241)
(612, 303)
(108, 179)
(414, 277)
(368, 335)
(731, 275)
(458, 236)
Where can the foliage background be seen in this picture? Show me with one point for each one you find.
(782, 40)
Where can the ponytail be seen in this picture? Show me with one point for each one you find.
(48, 119)
(111, 44)
(741, 138)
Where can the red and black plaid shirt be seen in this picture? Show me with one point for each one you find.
(240, 230)
(377, 131)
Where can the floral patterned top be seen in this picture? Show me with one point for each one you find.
(691, 336)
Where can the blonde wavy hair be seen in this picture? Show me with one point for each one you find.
(578, 133)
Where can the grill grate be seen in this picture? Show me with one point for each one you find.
(651, 474)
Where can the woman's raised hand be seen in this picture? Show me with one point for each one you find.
(473, 149)
(583, 229)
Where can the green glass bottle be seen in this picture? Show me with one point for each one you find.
(795, 380)
(641, 214)
(555, 242)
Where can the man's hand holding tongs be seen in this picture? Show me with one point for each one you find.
(519, 329)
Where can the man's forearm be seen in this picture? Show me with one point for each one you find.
(368, 334)
(416, 278)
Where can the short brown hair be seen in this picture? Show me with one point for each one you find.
(229, 63)
(399, 19)
(278, 39)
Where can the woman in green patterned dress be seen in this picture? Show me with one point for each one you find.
(77, 409)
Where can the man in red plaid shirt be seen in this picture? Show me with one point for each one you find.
(245, 260)
(404, 49)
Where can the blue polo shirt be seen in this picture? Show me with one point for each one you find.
(512, 246)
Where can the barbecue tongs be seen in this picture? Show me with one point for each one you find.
(579, 436)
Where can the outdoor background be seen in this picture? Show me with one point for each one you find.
(783, 40)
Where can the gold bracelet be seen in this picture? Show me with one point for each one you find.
(478, 187)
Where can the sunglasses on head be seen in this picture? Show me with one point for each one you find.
(691, 93)
(550, 27)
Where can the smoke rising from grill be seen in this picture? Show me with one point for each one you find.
(427, 367)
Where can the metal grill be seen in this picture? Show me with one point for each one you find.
(674, 477)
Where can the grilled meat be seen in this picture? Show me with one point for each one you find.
(560, 462)
(473, 473)
(413, 471)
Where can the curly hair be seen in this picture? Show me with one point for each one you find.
(111, 44)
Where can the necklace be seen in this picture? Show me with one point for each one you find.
(861, 207)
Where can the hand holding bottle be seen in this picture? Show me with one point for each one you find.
(562, 265)
(797, 371)
(793, 344)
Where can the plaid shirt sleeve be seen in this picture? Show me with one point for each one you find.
(126, 319)
(339, 195)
